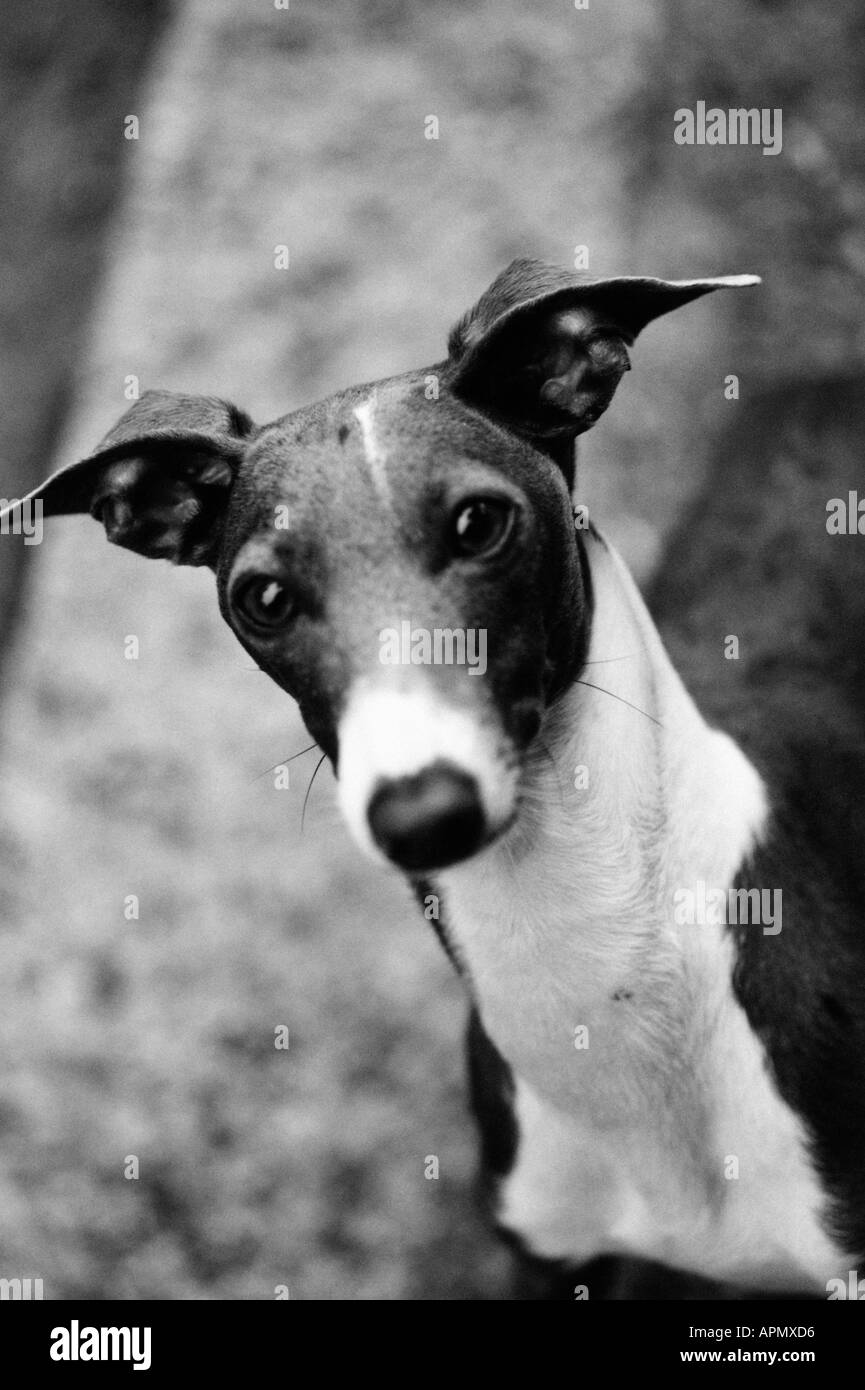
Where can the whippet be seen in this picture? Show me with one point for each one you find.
(654, 1074)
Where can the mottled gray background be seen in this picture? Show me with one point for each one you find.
(261, 127)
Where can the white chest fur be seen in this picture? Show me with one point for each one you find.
(648, 1119)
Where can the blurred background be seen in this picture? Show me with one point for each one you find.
(153, 257)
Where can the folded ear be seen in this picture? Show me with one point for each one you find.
(543, 350)
(159, 481)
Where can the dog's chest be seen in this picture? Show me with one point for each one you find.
(647, 1120)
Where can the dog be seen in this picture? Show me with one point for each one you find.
(649, 898)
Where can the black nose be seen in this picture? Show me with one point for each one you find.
(429, 820)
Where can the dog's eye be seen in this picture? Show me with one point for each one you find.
(481, 526)
(264, 602)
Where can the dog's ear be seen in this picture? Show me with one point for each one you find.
(159, 481)
(544, 349)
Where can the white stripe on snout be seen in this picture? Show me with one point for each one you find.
(373, 454)
(388, 733)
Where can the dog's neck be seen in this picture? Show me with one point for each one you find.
(628, 798)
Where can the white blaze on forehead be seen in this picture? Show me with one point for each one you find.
(387, 733)
(373, 453)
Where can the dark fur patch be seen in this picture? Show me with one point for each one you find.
(754, 559)
(423, 889)
(491, 1088)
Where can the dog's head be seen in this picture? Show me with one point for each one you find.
(401, 557)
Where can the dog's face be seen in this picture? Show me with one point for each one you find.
(422, 602)
(401, 558)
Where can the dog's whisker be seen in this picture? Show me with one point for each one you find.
(309, 789)
(622, 700)
(283, 762)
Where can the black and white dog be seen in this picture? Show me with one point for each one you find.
(652, 886)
